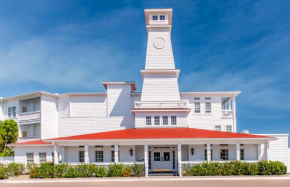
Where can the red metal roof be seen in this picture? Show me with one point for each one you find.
(160, 133)
(37, 142)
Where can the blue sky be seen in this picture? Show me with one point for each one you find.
(72, 46)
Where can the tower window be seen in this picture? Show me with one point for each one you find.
(156, 120)
(165, 120)
(155, 17)
(162, 17)
(148, 120)
(173, 120)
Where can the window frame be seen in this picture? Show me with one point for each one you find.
(208, 108)
(42, 158)
(156, 119)
(167, 120)
(173, 119)
(220, 127)
(31, 160)
(195, 108)
(242, 154)
(11, 112)
(225, 155)
(162, 15)
(147, 120)
(153, 16)
(99, 157)
(82, 160)
(231, 128)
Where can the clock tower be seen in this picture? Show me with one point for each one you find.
(160, 78)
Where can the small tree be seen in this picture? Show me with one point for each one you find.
(8, 134)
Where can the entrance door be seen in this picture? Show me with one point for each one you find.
(162, 161)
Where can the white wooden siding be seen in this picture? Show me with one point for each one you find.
(139, 153)
(288, 167)
(82, 106)
(119, 100)
(1, 111)
(159, 58)
(85, 125)
(160, 88)
(20, 153)
(140, 119)
(49, 117)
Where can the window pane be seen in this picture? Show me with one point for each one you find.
(157, 156)
(173, 120)
(155, 17)
(162, 17)
(242, 154)
(165, 120)
(81, 156)
(197, 107)
(229, 128)
(156, 120)
(112, 156)
(218, 128)
(166, 156)
(99, 156)
(224, 154)
(148, 120)
(208, 107)
(42, 157)
(30, 158)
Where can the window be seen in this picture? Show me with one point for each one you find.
(165, 120)
(162, 17)
(99, 156)
(196, 98)
(148, 120)
(173, 120)
(224, 154)
(81, 156)
(12, 112)
(24, 109)
(157, 156)
(229, 128)
(30, 158)
(207, 107)
(155, 17)
(196, 107)
(42, 157)
(113, 156)
(242, 154)
(218, 128)
(24, 134)
(207, 98)
(156, 120)
(205, 154)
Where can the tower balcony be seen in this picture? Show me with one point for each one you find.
(29, 117)
(161, 104)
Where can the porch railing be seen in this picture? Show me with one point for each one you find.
(165, 104)
(29, 116)
(227, 113)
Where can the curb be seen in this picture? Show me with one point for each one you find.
(143, 179)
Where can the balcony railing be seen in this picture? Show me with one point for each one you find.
(165, 104)
(28, 117)
(27, 139)
(227, 113)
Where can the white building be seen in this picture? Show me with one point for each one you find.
(160, 127)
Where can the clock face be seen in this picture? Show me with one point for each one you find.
(159, 43)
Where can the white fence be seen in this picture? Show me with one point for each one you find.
(6, 160)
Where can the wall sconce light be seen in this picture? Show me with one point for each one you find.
(192, 151)
(131, 152)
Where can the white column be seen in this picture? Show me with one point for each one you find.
(208, 151)
(55, 154)
(266, 148)
(87, 160)
(63, 154)
(259, 151)
(238, 151)
(146, 159)
(234, 114)
(116, 153)
(179, 159)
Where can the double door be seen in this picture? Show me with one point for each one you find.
(162, 160)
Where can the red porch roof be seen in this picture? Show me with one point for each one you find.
(160, 133)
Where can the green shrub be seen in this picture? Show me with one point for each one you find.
(264, 168)
(138, 170)
(277, 168)
(115, 170)
(126, 171)
(46, 170)
(15, 169)
(71, 172)
(3, 172)
(187, 170)
(60, 170)
(101, 172)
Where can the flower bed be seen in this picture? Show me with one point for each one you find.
(235, 168)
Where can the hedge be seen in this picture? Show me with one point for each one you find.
(11, 170)
(235, 168)
(48, 170)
